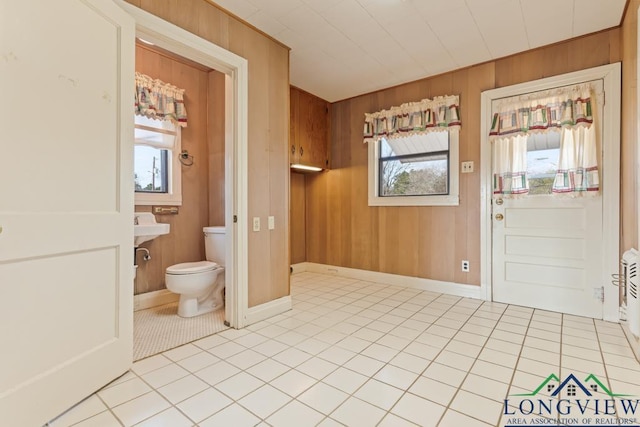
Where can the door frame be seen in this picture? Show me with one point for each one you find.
(610, 178)
(236, 69)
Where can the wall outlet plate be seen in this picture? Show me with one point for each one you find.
(465, 266)
(467, 167)
(256, 223)
(272, 222)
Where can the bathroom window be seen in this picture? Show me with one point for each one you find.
(417, 170)
(156, 163)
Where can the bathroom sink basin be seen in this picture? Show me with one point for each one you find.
(146, 228)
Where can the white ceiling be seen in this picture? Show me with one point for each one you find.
(344, 48)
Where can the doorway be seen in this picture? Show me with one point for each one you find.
(548, 252)
(173, 39)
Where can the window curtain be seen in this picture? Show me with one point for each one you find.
(413, 118)
(158, 100)
(568, 109)
(578, 163)
(510, 166)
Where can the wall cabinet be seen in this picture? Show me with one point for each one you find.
(309, 129)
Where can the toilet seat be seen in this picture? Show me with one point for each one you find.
(192, 267)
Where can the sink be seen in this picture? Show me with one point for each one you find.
(146, 228)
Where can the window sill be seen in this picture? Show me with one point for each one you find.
(450, 200)
(148, 199)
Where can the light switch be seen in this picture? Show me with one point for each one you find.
(256, 223)
(272, 222)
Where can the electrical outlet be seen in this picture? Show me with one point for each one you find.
(272, 222)
(467, 167)
(465, 266)
(256, 223)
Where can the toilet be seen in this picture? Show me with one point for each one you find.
(200, 284)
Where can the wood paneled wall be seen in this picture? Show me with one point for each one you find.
(184, 242)
(298, 222)
(427, 242)
(268, 161)
(629, 161)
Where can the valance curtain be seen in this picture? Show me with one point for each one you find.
(156, 99)
(569, 109)
(413, 118)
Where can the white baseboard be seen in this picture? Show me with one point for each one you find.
(633, 341)
(154, 299)
(267, 310)
(299, 268)
(449, 288)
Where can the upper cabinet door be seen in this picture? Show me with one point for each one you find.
(66, 203)
(309, 130)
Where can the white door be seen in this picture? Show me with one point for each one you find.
(66, 203)
(548, 250)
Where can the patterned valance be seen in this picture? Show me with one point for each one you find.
(539, 112)
(159, 100)
(413, 118)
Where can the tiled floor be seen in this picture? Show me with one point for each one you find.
(363, 354)
(160, 328)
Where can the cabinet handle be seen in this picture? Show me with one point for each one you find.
(301, 151)
(293, 149)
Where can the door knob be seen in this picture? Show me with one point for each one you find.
(499, 201)
(499, 217)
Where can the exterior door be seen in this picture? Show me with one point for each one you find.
(548, 249)
(66, 203)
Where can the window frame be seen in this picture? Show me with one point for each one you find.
(173, 196)
(451, 199)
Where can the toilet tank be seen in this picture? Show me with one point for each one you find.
(214, 244)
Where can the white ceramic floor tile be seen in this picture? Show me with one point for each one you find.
(183, 388)
(233, 415)
(198, 361)
(140, 408)
(104, 419)
(227, 350)
(364, 365)
(410, 362)
(182, 352)
(165, 375)
(345, 380)
(445, 374)
(265, 401)
(336, 355)
(477, 407)
(433, 390)
(268, 369)
(217, 372)
(292, 357)
(323, 398)
(251, 339)
(86, 409)
(204, 404)
(150, 363)
(391, 420)
(169, 418)
(270, 348)
(355, 412)
(295, 414)
(397, 377)
(486, 387)
(239, 385)
(317, 368)
(123, 392)
(210, 341)
(246, 359)
(380, 352)
(293, 382)
(418, 410)
(379, 394)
